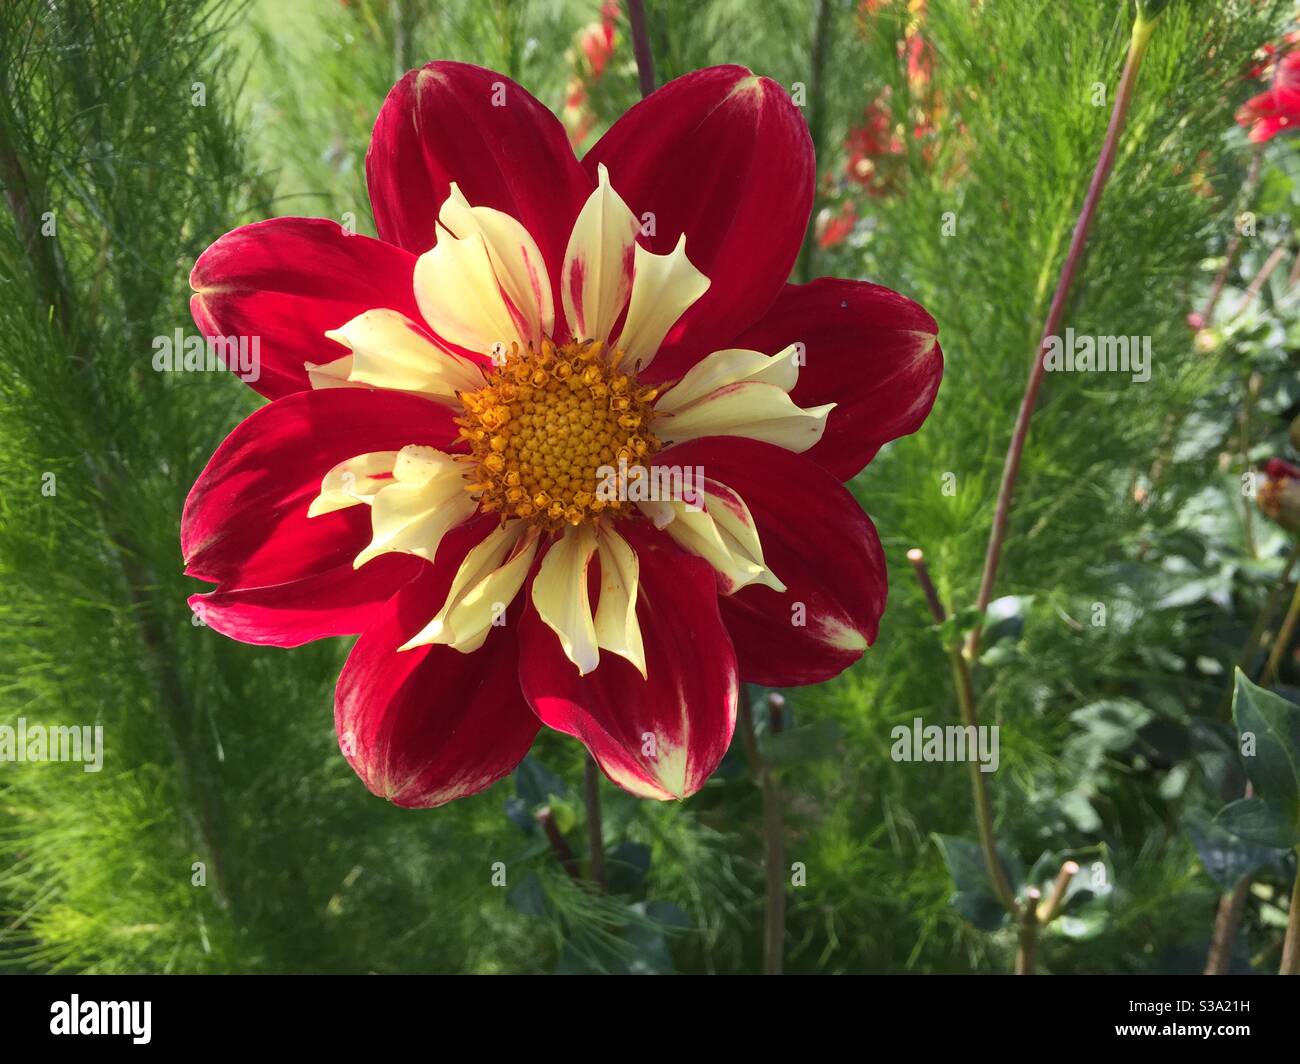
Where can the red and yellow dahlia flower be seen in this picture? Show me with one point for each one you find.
(451, 402)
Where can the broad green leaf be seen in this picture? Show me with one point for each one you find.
(1254, 821)
(1273, 766)
(974, 897)
(1227, 854)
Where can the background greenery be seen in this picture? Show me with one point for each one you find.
(1114, 737)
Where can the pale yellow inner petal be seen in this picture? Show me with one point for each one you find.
(353, 482)
(663, 287)
(331, 374)
(751, 409)
(741, 393)
(388, 351)
(460, 296)
(561, 599)
(732, 366)
(722, 532)
(617, 629)
(425, 499)
(485, 584)
(597, 275)
(516, 260)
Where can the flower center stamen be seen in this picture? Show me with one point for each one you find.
(548, 427)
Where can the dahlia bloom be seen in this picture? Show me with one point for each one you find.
(1278, 497)
(481, 424)
(1278, 109)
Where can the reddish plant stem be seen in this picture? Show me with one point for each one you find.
(1056, 899)
(1142, 30)
(559, 844)
(1234, 245)
(1256, 286)
(1226, 921)
(645, 63)
(1027, 950)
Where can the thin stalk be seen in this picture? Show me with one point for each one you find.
(595, 829)
(1226, 921)
(1141, 38)
(821, 33)
(1234, 245)
(773, 841)
(979, 786)
(1291, 944)
(559, 844)
(645, 63)
(1027, 949)
(1056, 900)
(1283, 640)
(1273, 261)
(966, 701)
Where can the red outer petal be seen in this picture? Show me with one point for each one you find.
(870, 350)
(337, 601)
(724, 157)
(688, 701)
(818, 542)
(442, 123)
(286, 281)
(425, 726)
(245, 523)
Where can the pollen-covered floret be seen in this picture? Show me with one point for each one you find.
(548, 428)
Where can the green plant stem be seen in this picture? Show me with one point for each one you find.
(595, 828)
(773, 841)
(979, 788)
(1283, 640)
(1141, 38)
(961, 679)
(1291, 944)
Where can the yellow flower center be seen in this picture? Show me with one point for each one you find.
(548, 430)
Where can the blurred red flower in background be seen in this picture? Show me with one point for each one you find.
(595, 48)
(1278, 109)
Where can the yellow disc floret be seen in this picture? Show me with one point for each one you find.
(552, 430)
